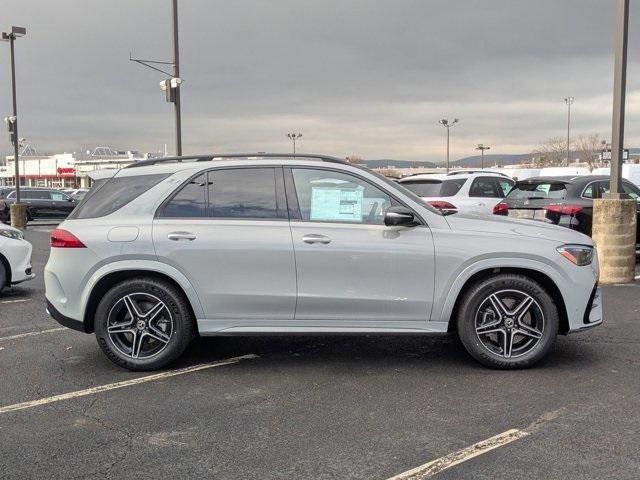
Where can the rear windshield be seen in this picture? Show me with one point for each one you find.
(538, 191)
(110, 194)
(435, 188)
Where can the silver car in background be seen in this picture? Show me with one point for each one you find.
(169, 249)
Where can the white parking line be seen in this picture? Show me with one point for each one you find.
(14, 301)
(126, 383)
(430, 469)
(31, 334)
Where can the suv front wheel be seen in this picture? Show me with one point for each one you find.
(143, 324)
(508, 321)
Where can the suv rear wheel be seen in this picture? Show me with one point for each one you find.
(143, 324)
(508, 321)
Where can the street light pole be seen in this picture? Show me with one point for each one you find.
(17, 219)
(568, 101)
(176, 74)
(482, 147)
(294, 137)
(445, 123)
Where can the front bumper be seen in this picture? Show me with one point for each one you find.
(593, 312)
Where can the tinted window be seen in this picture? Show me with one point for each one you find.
(505, 186)
(451, 187)
(190, 201)
(58, 196)
(484, 187)
(327, 196)
(538, 191)
(598, 189)
(243, 193)
(424, 188)
(112, 194)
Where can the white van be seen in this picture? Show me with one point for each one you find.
(630, 171)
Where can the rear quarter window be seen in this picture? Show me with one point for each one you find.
(108, 195)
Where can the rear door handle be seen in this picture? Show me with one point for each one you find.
(313, 238)
(181, 236)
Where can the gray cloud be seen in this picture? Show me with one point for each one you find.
(355, 76)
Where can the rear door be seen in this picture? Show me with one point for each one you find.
(352, 270)
(227, 231)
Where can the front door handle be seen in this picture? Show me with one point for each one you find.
(181, 236)
(313, 238)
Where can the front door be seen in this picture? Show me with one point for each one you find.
(350, 266)
(227, 231)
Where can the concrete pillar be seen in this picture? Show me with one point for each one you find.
(614, 232)
(18, 216)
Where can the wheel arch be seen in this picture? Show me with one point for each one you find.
(7, 269)
(538, 276)
(110, 279)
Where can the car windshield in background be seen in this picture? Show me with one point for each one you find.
(435, 188)
(538, 191)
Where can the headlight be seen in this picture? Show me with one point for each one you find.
(11, 234)
(580, 255)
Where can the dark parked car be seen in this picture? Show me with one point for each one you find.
(40, 202)
(564, 201)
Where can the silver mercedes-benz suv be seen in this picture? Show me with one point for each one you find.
(168, 249)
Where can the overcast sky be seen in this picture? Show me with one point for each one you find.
(362, 77)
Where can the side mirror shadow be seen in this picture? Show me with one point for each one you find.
(400, 217)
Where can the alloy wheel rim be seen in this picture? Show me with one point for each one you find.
(509, 323)
(140, 325)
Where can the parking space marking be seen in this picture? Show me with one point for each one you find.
(14, 301)
(123, 384)
(31, 334)
(436, 466)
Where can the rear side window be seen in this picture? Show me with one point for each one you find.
(230, 193)
(538, 191)
(424, 188)
(107, 196)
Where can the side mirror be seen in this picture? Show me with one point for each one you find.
(399, 217)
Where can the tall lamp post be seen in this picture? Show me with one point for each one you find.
(568, 101)
(482, 147)
(18, 217)
(294, 138)
(445, 123)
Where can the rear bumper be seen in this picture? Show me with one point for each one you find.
(65, 321)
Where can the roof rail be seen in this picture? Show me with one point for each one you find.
(467, 171)
(221, 156)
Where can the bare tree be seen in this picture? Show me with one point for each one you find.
(551, 153)
(588, 148)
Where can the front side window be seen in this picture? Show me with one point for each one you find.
(327, 196)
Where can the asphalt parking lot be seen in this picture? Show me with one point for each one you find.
(315, 407)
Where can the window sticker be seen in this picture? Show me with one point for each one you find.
(336, 204)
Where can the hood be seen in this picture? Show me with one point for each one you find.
(516, 227)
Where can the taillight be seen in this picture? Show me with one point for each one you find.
(564, 209)
(501, 209)
(65, 239)
(443, 206)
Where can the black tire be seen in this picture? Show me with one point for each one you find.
(114, 308)
(477, 311)
(3, 277)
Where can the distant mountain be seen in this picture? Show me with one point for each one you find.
(390, 163)
(491, 160)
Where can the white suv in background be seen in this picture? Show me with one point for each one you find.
(15, 257)
(460, 192)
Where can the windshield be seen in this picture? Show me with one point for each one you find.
(538, 191)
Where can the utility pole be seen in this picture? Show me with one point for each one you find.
(445, 123)
(568, 101)
(17, 209)
(482, 148)
(170, 86)
(176, 74)
(619, 93)
(294, 137)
